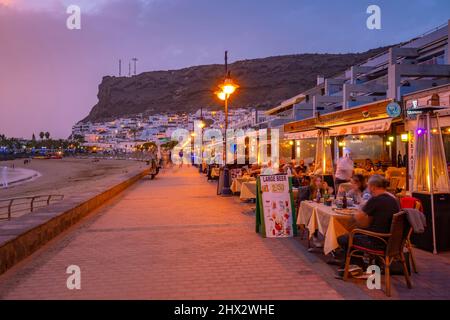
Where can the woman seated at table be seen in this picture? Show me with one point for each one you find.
(315, 191)
(359, 191)
(318, 188)
(326, 187)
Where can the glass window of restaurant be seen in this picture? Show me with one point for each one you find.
(364, 147)
(305, 149)
(285, 150)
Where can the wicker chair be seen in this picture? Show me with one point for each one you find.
(394, 241)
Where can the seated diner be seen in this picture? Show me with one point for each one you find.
(376, 216)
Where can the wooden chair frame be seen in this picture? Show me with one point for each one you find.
(385, 257)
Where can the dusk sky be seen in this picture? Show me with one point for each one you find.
(49, 75)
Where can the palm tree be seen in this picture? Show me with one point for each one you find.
(47, 135)
(150, 146)
(33, 138)
(41, 135)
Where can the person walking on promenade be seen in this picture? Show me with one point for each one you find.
(180, 154)
(5, 177)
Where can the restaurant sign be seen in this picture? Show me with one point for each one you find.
(301, 135)
(366, 127)
(394, 110)
(274, 207)
(361, 128)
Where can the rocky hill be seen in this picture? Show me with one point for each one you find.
(264, 83)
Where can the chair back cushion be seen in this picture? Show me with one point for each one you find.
(399, 232)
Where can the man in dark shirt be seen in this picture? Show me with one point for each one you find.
(378, 212)
(376, 215)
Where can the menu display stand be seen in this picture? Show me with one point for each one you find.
(275, 209)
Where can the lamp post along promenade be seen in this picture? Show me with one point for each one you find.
(227, 88)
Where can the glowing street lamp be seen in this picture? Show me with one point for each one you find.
(221, 95)
(227, 88)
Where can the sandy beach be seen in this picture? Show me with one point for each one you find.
(67, 176)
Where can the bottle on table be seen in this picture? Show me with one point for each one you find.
(318, 196)
(327, 195)
(344, 201)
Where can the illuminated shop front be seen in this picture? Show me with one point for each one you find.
(365, 132)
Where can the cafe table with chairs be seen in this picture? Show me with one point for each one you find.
(248, 190)
(236, 184)
(329, 220)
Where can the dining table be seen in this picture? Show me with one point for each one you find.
(329, 221)
(236, 185)
(248, 190)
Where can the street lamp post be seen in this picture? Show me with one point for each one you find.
(200, 166)
(227, 88)
(226, 190)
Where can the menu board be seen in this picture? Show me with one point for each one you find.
(275, 209)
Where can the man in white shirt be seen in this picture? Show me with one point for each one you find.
(344, 170)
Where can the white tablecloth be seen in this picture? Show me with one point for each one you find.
(215, 172)
(317, 216)
(236, 185)
(248, 190)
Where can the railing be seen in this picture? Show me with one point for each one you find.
(8, 207)
(124, 156)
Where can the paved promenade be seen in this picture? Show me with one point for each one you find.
(173, 238)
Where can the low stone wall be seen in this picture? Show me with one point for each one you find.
(22, 236)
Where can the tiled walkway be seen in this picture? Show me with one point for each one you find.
(171, 238)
